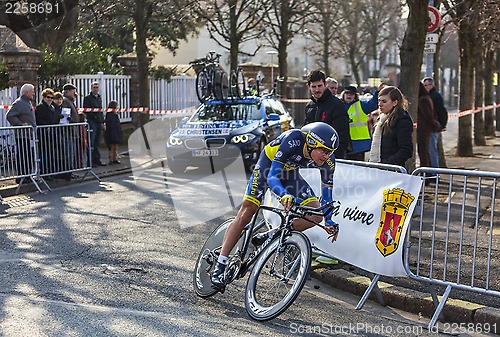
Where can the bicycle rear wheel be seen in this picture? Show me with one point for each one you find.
(278, 276)
(225, 87)
(202, 86)
(233, 83)
(240, 83)
(209, 254)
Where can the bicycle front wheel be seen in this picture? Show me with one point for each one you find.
(278, 276)
(202, 86)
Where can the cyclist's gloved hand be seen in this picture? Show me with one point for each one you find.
(287, 201)
(332, 228)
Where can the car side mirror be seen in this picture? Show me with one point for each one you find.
(273, 117)
(184, 120)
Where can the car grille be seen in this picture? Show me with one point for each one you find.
(195, 144)
(212, 143)
(215, 143)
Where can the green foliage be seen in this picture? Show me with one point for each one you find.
(161, 72)
(86, 58)
(4, 76)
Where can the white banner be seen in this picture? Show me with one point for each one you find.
(373, 210)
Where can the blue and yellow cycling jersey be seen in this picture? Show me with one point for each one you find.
(278, 166)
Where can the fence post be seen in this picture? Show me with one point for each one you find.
(102, 88)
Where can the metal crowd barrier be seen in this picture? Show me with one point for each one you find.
(43, 152)
(18, 153)
(452, 244)
(64, 149)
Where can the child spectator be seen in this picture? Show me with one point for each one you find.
(113, 133)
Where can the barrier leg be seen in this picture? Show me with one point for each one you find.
(440, 307)
(45, 183)
(373, 286)
(435, 298)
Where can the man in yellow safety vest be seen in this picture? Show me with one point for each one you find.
(358, 124)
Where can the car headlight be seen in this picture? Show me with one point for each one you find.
(243, 138)
(174, 141)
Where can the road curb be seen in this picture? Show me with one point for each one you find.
(455, 311)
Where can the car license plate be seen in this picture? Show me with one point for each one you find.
(205, 153)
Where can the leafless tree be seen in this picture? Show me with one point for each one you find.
(231, 23)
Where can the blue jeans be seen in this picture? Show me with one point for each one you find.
(95, 140)
(433, 140)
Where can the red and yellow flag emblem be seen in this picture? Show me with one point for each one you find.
(394, 211)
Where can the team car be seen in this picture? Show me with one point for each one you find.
(218, 133)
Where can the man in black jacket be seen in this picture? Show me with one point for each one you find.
(325, 107)
(95, 120)
(442, 114)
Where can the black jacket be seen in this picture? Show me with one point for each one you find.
(439, 108)
(113, 133)
(331, 110)
(45, 115)
(397, 145)
(91, 101)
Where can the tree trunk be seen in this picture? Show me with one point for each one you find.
(411, 56)
(326, 49)
(489, 115)
(142, 60)
(466, 82)
(497, 110)
(235, 40)
(282, 47)
(479, 139)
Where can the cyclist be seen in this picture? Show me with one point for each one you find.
(277, 168)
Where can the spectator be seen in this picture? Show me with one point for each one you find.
(113, 133)
(392, 142)
(95, 120)
(442, 115)
(427, 123)
(69, 93)
(45, 111)
(76, 136)
(21, 113)
(333, 85)
(358, 121)
(46, 115)
(57, 103)
(325, 107)
(252, 86)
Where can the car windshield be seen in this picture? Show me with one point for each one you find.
(223, 112)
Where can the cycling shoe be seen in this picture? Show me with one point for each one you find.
(218, 279)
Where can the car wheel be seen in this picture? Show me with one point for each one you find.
(176, 168)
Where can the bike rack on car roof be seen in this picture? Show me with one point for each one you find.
(253, 100)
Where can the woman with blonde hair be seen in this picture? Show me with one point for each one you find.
(392, 138)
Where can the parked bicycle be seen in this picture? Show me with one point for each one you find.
(214, 83)
(281, 267)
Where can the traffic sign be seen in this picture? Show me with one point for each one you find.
(429, 48)
(432, 38)
(434, 19)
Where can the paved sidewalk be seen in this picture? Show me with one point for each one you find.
(401, 293)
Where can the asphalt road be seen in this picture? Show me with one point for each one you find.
(111, 259)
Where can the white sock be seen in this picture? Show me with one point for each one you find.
(222, 259)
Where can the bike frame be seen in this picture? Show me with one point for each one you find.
(284, 228)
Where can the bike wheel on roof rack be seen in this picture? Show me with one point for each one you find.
(202, 86)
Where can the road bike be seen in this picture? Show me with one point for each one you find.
(280, 265)
(211, 81)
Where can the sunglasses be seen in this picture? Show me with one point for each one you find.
(49, 97)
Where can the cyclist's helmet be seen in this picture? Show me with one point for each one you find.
(320, 134)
